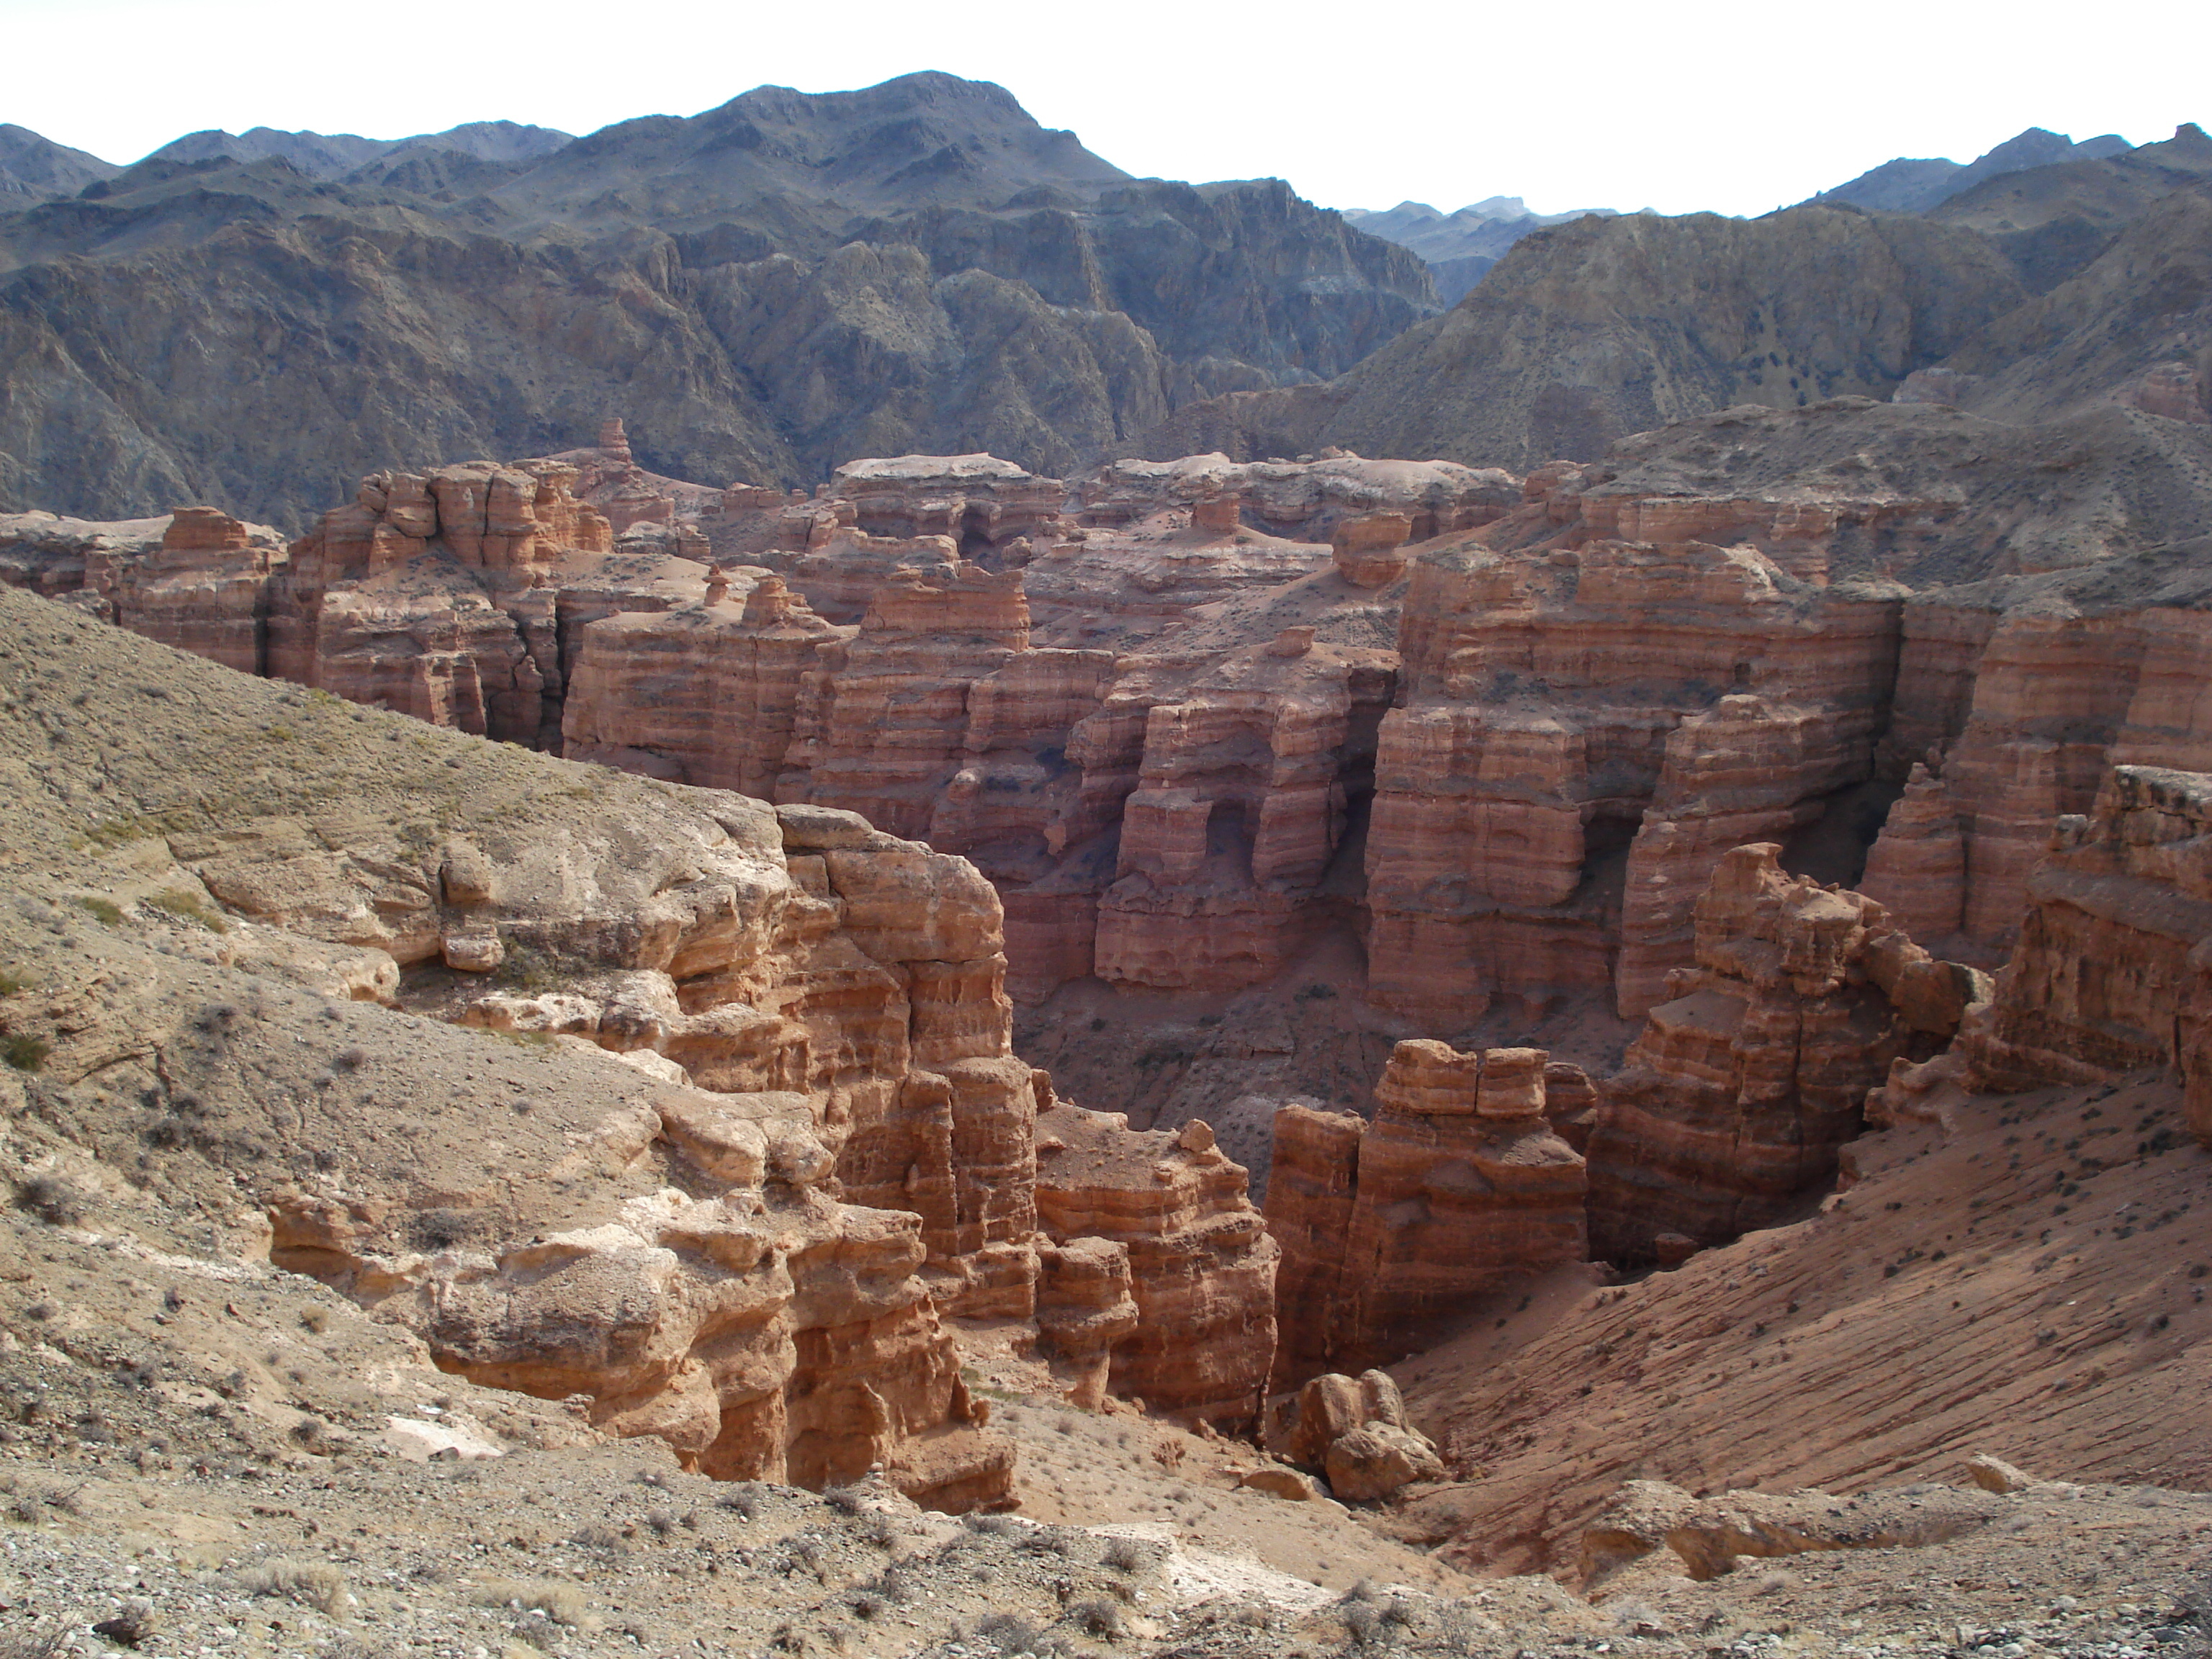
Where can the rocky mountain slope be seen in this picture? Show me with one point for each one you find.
(1461, 248)
(330, 155)
(767, 289)
(2033, 292)
(1907, 185)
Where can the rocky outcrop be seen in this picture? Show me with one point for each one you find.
(2025, 693)
(1201, 1265)
(1354, 1431)
(1307, 499)
(983, 504)
(2111, 972)
(1754, 1067)
(1586, 725)
(1917, 867)
(1458, 1187)
(742, 1240)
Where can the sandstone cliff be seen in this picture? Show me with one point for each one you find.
(1753, 1070)
(783, 1140)
(2111, 973)
(1458, 1187)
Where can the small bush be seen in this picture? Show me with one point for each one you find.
(562, 1603)
(742, 1500)
(1009, 1631)
(56, 1202)
(101, 910)
(35, 1644)
(867, 1604)
(187, 907)
(23, 1051)
(1363, 1621)
(992, 1526)
(846, 1500)
(1099, 1617)
(314, 1584)
(1124, 1555)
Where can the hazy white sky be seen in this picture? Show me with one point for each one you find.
(1701, 104)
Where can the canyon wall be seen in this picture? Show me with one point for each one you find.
(804, 1144)
(1459, 1187)
(2111, 972)
(1754, 1068)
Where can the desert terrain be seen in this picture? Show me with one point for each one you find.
(1208, 967)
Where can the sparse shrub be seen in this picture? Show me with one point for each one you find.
(101, 910)
(314, 1584)
(992, 1526)
(879, 1532)
(662, 1522)
(867, 1604)
(56, 1202)
(742, 1500)
(1363, 1621)
(846, 1500)
(1097, 1616)
(1124, 1555)
(1009, 1631)
(562, 1603)
(35, 1643)
(185, 906)
(23, 1051)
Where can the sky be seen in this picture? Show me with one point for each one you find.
(1698, 104)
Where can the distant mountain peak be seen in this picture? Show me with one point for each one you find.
(1915, 185)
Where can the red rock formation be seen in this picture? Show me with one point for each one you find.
(2031, 697)
(1201, 1265)
(1917, 868)
(1086, 1305)
(1367, 547)
(982, 504)
(1754, 1067)
(1241, 774)
(2111, 972)
(1458, 1187)
(1306, 500)
(1568, 704)
(706, 694)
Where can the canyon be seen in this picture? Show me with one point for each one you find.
(1109, 932)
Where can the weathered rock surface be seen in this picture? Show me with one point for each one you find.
(1201, 1265)
(1459, 1187)
(2111, 972)
(1755, 1069)
(673, 1244)
(915, 266)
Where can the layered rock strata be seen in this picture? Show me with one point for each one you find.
(1754, 1068)
(1201, 1267)
(2112, 969)
(669, 1237)
(1457, 1187)
(1586, 726)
